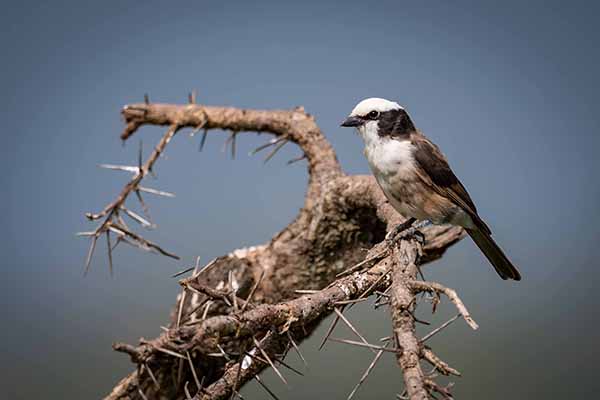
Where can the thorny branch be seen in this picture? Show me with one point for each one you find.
(112, 213)
(244, 311)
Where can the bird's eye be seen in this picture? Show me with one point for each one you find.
(373, 114)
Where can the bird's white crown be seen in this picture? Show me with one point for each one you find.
(374, 104)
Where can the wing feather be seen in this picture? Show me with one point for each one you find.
(436, 173)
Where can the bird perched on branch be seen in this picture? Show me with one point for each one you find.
(416, 178)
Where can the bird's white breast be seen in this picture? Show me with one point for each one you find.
(387, 157)
(393, 166)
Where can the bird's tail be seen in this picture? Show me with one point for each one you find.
(494, 254)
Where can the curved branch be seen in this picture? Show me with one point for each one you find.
(296, 125)
(439, 364)
(293, 125)
(450, 293)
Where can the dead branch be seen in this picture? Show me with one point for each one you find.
(438, 288)
(440, 365)
(295, 125)
(404, 290)
(223, 334)
(402, 309)
(263, 318)
(111, 213)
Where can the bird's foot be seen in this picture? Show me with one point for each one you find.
(407, 230)
(391, 235)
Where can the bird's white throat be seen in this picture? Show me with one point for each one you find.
(386, 156)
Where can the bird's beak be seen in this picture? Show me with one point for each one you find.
(352, 121)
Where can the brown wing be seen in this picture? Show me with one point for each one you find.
(437, 174)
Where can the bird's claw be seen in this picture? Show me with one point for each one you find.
(398, 229)
(391, 235)
(406, 231)
(410, 233)
(419, 236)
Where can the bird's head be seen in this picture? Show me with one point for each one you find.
(380, 117)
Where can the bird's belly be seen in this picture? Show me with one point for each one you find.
(404, 194)
(412, 198)
(395, 170)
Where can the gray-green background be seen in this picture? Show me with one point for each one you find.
(508, 89)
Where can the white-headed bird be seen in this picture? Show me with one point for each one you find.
(416, 178)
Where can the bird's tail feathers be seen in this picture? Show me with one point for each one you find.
(494, 254)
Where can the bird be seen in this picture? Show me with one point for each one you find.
(416, 178)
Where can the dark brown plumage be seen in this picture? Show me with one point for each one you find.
(436, 173)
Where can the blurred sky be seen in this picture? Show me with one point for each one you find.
(507, 89)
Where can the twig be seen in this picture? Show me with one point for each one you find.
(205, 313)
(183, 272)
(362, 344)
(203, 139)
(198, 385)
(138, 240)
(352, 328)
(357, 266)
(434, 387)
(90, 253)
(194, 310)
(111, 211)
(230, 139)
(329, 331)
(274, 151)
(295, 346)
(450, 293)
(109, 249)
(296, 159)
(154, 191)
(188, 395)
(147, 368)
(351, 301)
(137, 218)
(249, 298)
(440, 365)
(271, 142)
(237, 375)
(278, 360)
(266, 356)
(202, 289)
(260, 382)
(225, 355)
(367, 372)
(444, 325)
(142, 394)
(181, 303)
(169, 352)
